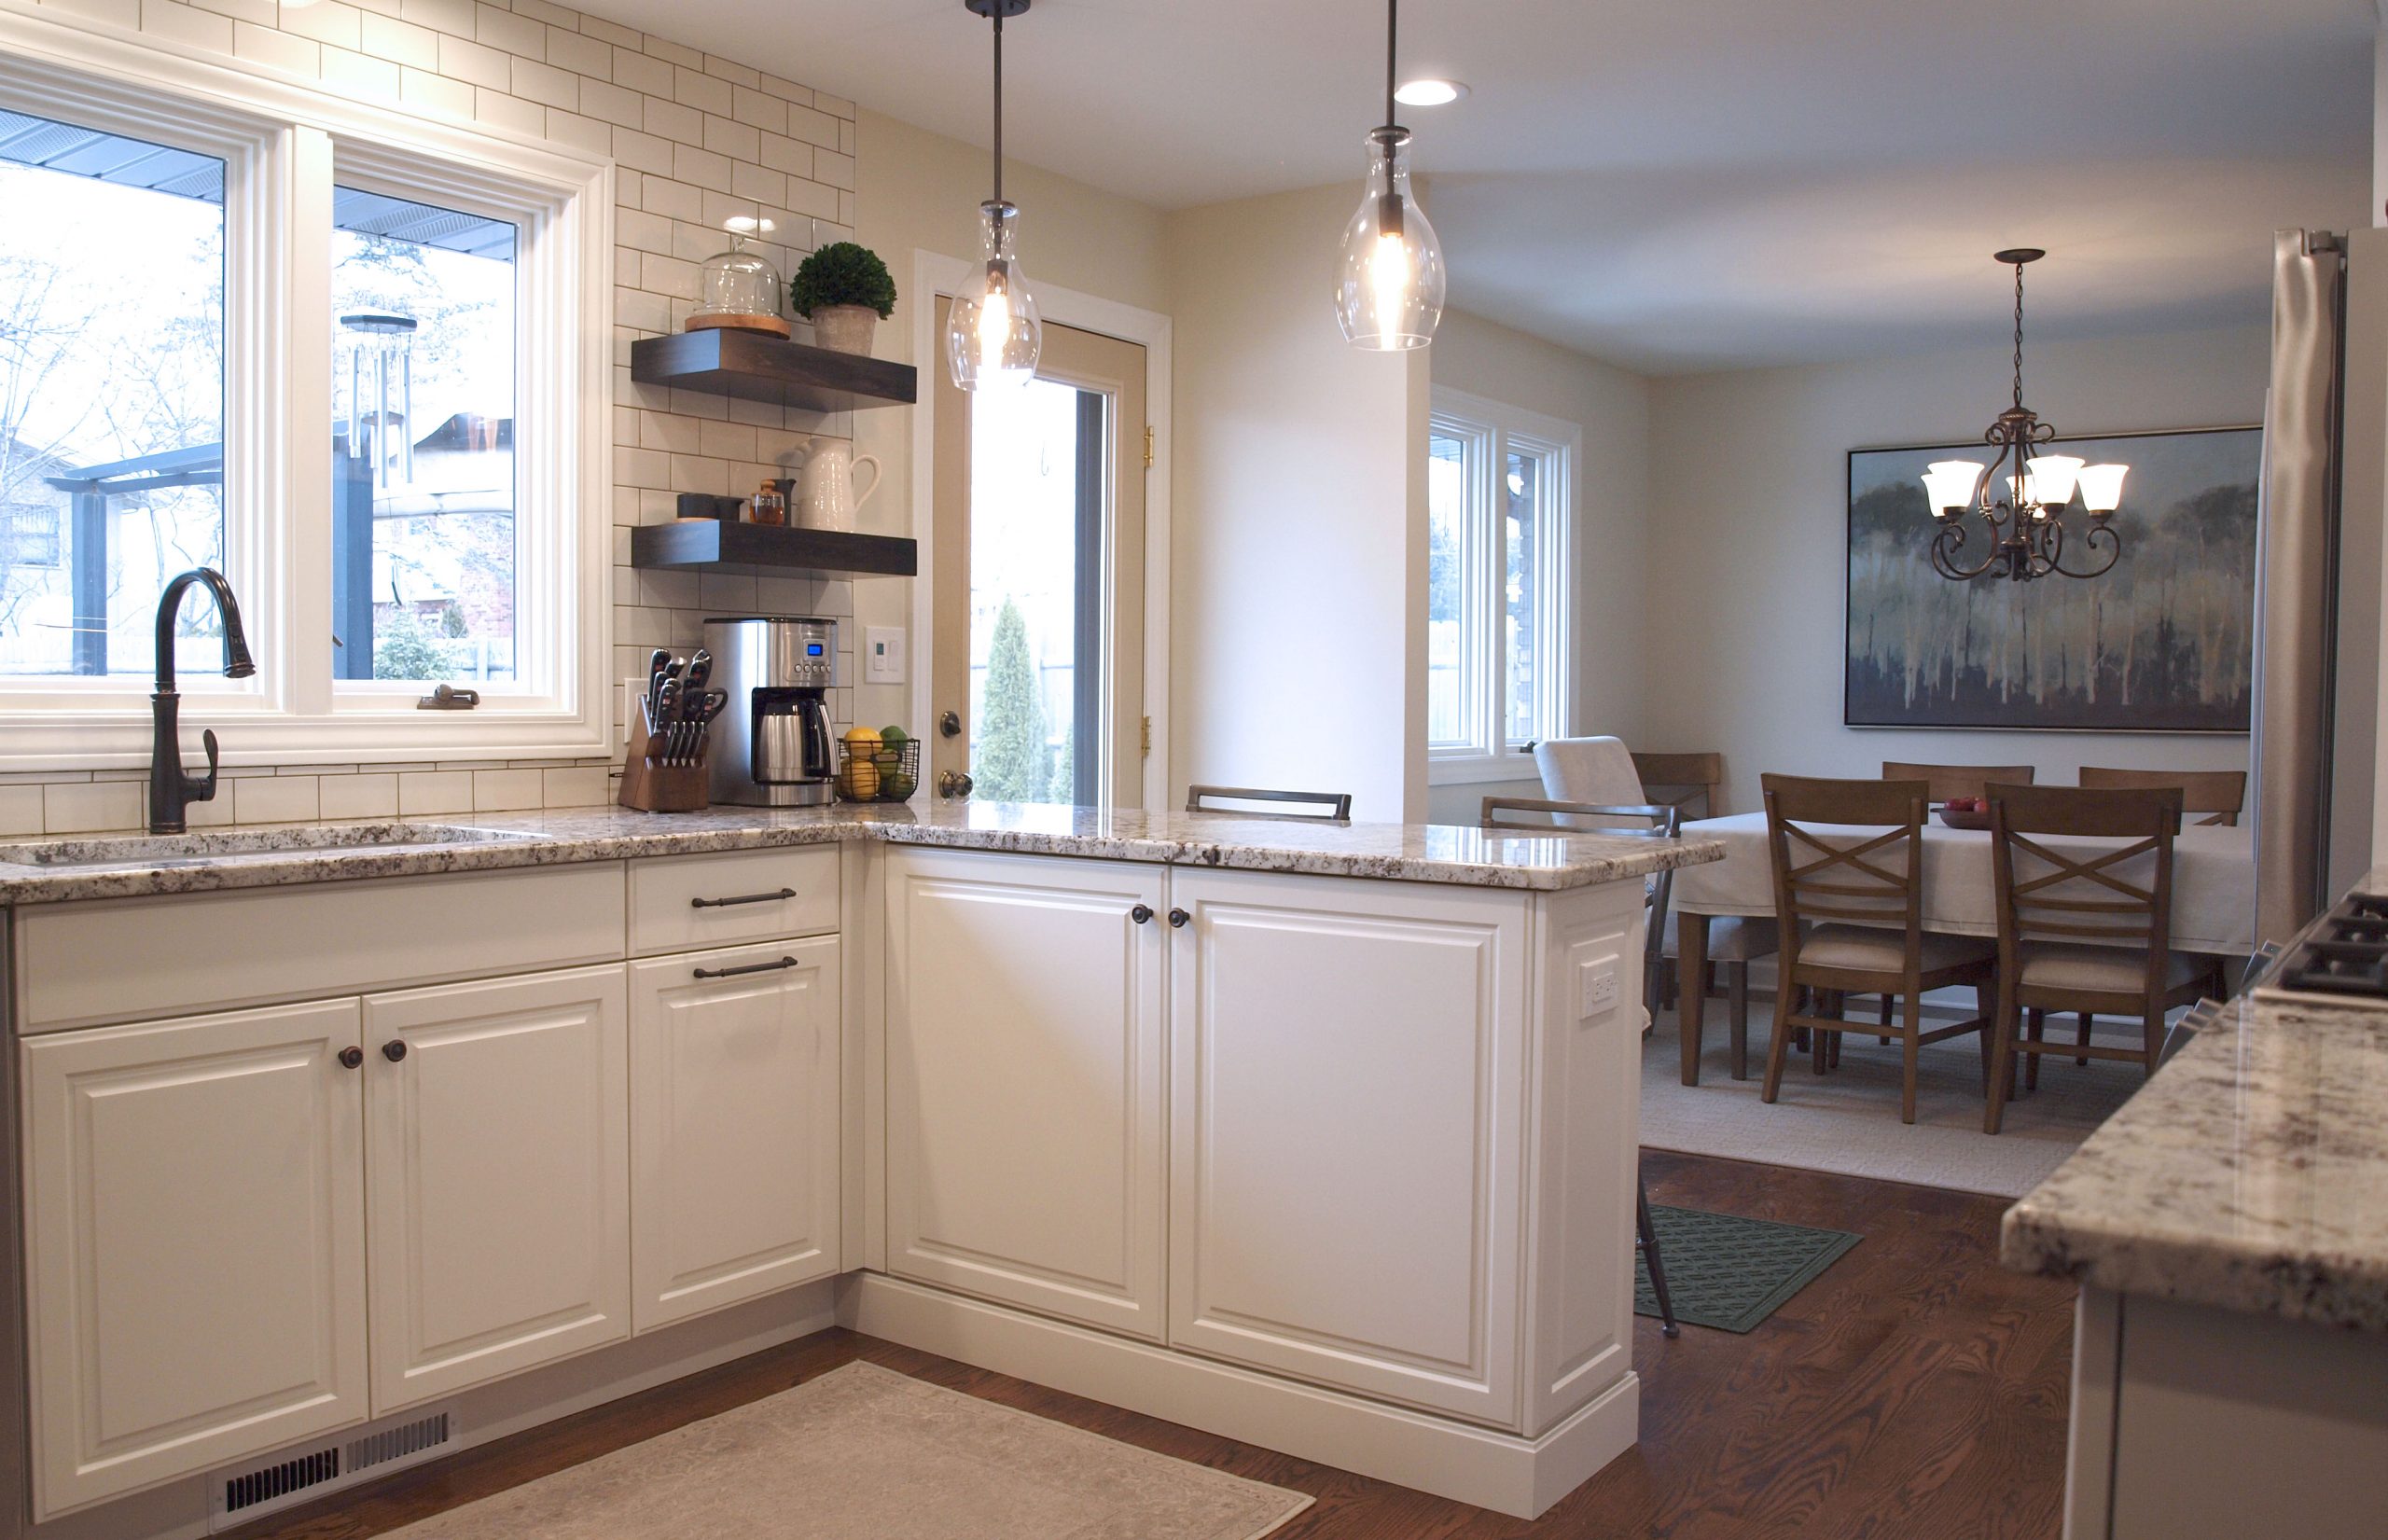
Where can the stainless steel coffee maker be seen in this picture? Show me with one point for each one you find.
(772, 747)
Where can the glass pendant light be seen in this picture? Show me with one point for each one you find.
(991, 332)
(1389, 291)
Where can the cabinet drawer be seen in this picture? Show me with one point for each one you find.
(80, 964)
(685, 902)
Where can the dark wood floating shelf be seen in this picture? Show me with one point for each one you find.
(768, 550)
(722, 362)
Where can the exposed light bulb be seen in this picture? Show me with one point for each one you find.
(995, 325)
(1389, 277)
(991, 334)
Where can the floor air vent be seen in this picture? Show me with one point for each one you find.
(247, 1491)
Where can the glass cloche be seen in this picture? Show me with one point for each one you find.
(738, 289)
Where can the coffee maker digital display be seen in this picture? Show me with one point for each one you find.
(773, 746)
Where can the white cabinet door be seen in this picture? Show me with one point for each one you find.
(1025, 1044)
(497, 1177)
(1346, 1133)
(734, 1136)
(195, 1244)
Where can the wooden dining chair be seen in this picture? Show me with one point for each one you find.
(2217, 794)
(1847, 859)
(2088, 931)
(1948, 781)
(1333, 807)
(1679, 779)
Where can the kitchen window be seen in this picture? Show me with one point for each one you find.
(359, 364)
(1500, 500)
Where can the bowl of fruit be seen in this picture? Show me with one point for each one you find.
(1965, 812)
(878, 766)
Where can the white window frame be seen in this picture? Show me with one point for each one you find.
(1491, 429)
(283, 143)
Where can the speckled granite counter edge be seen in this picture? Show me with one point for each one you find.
(1592, 859)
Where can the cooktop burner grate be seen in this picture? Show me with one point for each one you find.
(2347, 952)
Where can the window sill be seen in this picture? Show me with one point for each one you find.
(251, 739)
(1467, 768)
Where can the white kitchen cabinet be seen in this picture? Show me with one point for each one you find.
(1347, 1133)
(1024, 1052)
(195, 1243)
(734, 1126)
(497, 1177)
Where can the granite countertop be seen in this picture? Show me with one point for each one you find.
(306, 853)
(2250, 1173)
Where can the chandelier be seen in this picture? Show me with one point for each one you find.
(2022, 497)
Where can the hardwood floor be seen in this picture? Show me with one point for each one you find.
(1916, 1390)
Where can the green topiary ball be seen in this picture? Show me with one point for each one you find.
(843, 273)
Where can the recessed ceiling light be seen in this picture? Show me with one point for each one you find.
(1429, 94)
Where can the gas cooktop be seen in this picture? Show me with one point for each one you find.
(2345, 953)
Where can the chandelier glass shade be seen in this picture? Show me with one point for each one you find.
(992, 335)
(1389, 284)
(2004, 520)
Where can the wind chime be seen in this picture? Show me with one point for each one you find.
(380, 348)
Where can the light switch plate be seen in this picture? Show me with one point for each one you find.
(883, 648)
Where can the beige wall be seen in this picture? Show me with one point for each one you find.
(1748, 539)
(921, 191)
(1298, 549)
(1611, 518)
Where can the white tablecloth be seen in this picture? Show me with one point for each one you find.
(2214, 880)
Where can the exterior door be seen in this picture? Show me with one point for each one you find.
(1346, 1130)
(1024, 1117)
(734, 1143)
(1037, 578)
(497, 1177)
(195, 1260)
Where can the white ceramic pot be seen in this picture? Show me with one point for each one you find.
(844, 329)
(827, 500)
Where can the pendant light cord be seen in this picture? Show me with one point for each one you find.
(2019, 336)
(999, 105)
(1392, 29)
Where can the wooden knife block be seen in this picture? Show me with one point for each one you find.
(652, 786)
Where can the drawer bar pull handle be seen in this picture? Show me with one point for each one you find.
(741, 898)
(750, 967)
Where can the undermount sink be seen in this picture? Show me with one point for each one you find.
(154, 849)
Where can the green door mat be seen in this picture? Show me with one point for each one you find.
(1730, 1272)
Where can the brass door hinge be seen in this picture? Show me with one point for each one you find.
(1148, 735)
(1148, 448)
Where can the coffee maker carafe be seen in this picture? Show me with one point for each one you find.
(772, 747)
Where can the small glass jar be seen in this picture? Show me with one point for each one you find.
(769, 505)
(738, 289)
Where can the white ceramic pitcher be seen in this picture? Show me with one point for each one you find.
(828, 500)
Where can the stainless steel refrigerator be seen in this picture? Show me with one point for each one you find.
(2318, 621)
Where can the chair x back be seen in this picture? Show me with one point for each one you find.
(1847, 859)
(1630, 820)
(2085, 929)
(1332, 807)
(2217, 794)
(1685, 776)
(1948, 781)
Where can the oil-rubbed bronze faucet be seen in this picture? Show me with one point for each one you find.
(169, 789)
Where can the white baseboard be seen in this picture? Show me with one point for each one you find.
(1501, 1471)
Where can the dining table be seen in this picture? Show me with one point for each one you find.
(2213, 894)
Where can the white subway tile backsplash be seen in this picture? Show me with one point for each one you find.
(20, 810)
(88, 806)
(523, 37)
(576, 787)
(276, 799)
(366, 795)
(188, 24)
(504, 790)
(463, 60)
(425, 792)
(546, 85)
(276, 49)
(360, 74)
(429, 91)
(499, 110)
(326, 21)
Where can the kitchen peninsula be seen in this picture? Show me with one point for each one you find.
(1321, 1137)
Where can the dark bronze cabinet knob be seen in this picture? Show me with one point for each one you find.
(1178, 918)
(350, 1058)
(395, 1050)
(1141, 914)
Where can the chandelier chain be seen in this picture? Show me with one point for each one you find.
(2019, 334)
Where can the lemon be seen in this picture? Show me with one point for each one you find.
(862, 740)
(859, 780)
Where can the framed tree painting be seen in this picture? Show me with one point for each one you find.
(2162, 642)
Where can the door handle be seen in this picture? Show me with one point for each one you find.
(1178, 919)
(950, 725)
(741, 898)
(953, 784)
(1142, 914)
(750, 967)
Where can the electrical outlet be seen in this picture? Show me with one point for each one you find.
(633, 691)
(883, 654)
(1597, 985)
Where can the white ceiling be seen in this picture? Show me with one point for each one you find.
(1684, 185)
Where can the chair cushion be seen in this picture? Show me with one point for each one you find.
(2105, 970)
(1732, 939)
(1885, 951)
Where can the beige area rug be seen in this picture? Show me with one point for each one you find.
(1848, 1120)
(864, 1454)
